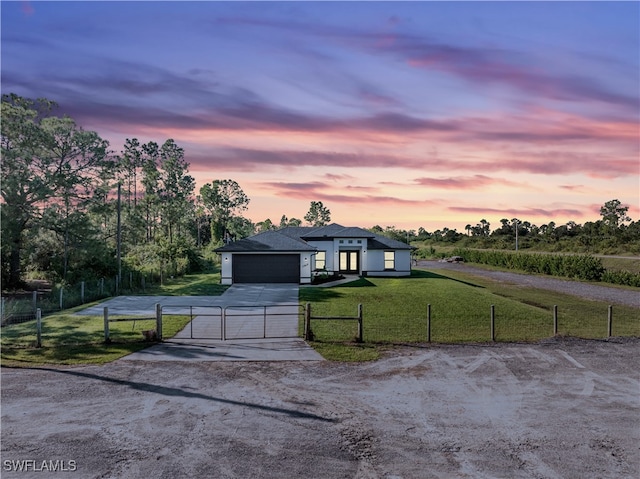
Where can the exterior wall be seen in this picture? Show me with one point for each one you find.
(375, 263)
(305, 267)
(226, 269)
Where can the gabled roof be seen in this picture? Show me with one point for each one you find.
(382, 242)
(334, 230)
(266, 241)
(294, 238)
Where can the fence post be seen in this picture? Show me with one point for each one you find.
(307, 322)
(493, 323)
(39, 328)
(159, 321)
(609, 321)
(61, 299)
(2, 306)
(82, 292)
(555, 319)
(105, 315)
(360, 333)
(34, 297)
(428, 323)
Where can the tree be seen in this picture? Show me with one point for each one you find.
(614, 214)
(318, 214)
(223, 199)
(286, 222)
(176, 189)
(51, 167)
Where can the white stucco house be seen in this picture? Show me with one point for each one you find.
(296, 254)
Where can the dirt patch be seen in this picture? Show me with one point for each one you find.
(562, 408)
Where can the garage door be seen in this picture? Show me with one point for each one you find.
(266, 268)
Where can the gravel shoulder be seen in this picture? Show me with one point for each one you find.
(558, 409)
(598, 292)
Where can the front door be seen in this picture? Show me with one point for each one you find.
(349, 262)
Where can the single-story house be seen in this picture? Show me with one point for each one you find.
(295, 254)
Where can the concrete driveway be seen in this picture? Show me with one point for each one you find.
(246, 306)
(236, 295)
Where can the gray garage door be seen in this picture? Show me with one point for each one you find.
(266, 268)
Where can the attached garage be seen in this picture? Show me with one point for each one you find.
(266, 268)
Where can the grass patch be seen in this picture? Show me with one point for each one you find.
(395, 312)
(70, 339)
(203, 284)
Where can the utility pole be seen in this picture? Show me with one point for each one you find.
(119, 240)
(516, 222)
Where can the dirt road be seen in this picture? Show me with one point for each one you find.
(560, 409)
(610, 294)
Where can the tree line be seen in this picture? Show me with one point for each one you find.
(613, 232)
(74, 209)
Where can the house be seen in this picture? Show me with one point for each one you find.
(296, 254)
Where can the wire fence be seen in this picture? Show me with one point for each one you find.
(55, 298)
(479, 326)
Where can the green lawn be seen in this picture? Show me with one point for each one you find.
(395, 311)
(202, 284)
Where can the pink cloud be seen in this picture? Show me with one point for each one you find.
(319, 191)
(522, 213)
(464, 182)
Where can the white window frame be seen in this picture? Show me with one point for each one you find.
(321, 260)
(389, 260)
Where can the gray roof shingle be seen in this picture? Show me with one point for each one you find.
(267, 241)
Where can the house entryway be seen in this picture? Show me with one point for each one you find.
(349, 262)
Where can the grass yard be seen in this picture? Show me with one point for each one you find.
(202, 284)
(395, 311)
(71, 339)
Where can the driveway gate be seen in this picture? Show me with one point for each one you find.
(238, 322)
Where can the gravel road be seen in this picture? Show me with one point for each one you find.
(559, 409)
(584, 290)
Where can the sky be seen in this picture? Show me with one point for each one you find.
(405, 114)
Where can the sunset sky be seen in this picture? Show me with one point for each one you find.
(413, 114)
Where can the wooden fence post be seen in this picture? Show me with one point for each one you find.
(307, 322)
(428, 323)
(61, 299)
(360, 332)
(34, 297)
(555, 319)
(609, 321)
(38, 328)
(493, 323)
(105, 315)
(82, 292)
(159, 321)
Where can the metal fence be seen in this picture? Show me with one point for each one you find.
(479, 326)
(16, 310)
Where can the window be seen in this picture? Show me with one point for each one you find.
(321, 259)
(389, 260)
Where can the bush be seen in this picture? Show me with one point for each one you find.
(622, 277)
(584, 267)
